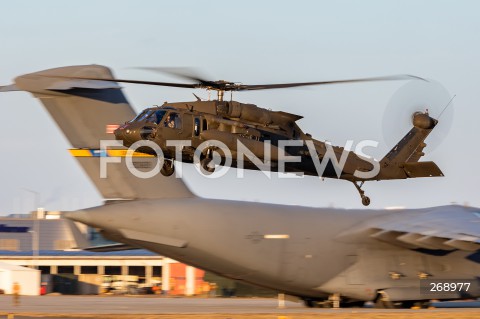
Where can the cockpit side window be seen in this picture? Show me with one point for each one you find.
(173, 120)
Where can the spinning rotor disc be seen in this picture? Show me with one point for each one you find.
(418, 96)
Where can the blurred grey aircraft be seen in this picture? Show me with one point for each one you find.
(387, 256)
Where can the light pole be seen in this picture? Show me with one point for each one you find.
(36, 227)
(34, 233)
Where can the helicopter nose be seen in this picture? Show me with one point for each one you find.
(127, 134)
(123, 134)
(119, 133)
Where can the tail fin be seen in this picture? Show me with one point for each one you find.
(83, 110)
(403, 160)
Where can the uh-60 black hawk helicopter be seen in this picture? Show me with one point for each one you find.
(263, 132)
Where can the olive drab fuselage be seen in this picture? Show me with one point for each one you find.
(230, 123)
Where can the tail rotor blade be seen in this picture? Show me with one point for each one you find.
(418, 96)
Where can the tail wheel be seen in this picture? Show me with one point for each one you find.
(208, 165)
(365, 200)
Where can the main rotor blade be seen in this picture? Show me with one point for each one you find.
(170, 84)
(229, 86)
(290, 85)
(186, 73)
(181, 72)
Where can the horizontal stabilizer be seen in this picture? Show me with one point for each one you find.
(291, 116)
(9, 88)
(422, 169)
(81, 240)
(153, 238)
(83, 243)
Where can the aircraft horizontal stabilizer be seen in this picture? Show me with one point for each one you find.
(153, 238)
(83, 243)
(291, 116)
(9, 88)
(422, 169)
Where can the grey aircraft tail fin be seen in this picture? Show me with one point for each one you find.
(87, 112)
(403, 160)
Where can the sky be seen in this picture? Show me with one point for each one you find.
(251, 42)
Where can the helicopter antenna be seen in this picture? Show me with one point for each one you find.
(198, 99)
(449, 102)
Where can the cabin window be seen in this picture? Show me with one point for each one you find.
(173, 120)
(204, 125)
(196, 127)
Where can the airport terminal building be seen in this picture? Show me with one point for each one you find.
(46, 242)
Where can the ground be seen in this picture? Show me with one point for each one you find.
(110, 307)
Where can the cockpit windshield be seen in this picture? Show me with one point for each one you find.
(152, 116)
(142, 116)
(156, 117)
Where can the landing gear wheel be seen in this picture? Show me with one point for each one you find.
(365, 200)
(168, 168)
(310, 303)
(382, 301)
(313, 303)
(383, 304)
(207, 164)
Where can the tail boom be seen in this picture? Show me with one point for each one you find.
(403, 160)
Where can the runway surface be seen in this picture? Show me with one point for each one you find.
(233, 308)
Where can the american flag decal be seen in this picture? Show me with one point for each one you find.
(110, 128)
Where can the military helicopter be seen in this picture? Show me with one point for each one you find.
(231, 122)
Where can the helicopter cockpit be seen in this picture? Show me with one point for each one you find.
(146, 123)
(173, 120)
(150, 116)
